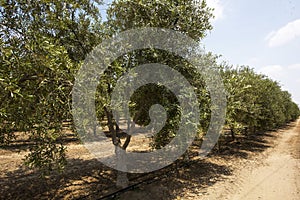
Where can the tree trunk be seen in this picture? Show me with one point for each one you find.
(109, 115)
(120, 151)
(232, 134)
(122, 179)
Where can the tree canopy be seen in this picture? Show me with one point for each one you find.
(43, 44)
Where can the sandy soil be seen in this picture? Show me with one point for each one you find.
(260, 166)
(276, 178)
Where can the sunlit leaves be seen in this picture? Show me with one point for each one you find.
(42, 46)
(256, 102)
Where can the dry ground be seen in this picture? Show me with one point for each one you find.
(264, 166)
(277, 177)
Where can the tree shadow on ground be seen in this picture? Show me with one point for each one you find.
(89, 179)
(244, 145)
(77, 181)
(23, 141)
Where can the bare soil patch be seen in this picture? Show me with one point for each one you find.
(86, 178)
(276, 176)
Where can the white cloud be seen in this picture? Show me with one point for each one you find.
(218, 8)
(273, 71)
(254, 61)
(287, 76)
(285, 34)
(294, 66)
(279, 72)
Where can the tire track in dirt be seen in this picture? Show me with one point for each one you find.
(278, 177)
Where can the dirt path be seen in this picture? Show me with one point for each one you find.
(277, 177)
(261, 166)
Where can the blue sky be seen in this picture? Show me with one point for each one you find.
(264, 35)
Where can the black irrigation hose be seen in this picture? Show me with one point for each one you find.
(146, 181)
(131, 187)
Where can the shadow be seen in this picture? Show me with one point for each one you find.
(244, 145)
(175, 179)
(21, 144)
(78, 180)
(89, 179)
(17, 145)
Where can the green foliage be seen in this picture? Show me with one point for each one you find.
(42, 45)
(190, 17)
(255, 102)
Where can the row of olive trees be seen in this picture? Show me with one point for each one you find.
(255, 102)
(43, 44)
